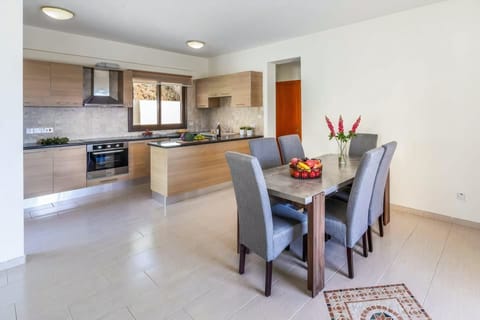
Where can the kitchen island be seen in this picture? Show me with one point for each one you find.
(185, 168)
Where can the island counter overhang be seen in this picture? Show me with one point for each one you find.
(181, 168)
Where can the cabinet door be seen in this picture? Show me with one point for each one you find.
(139, 159)
(69, 168)
(66, 87)
(247, 89)
(128, 88)
(220, 86)
(241, 89)
(201, 93)
(37, 172)
(36, 82)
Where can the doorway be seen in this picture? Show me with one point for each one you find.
(288, 97)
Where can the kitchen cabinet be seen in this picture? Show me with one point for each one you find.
(69, 168)
(53, 170)
(219, 86)
(127, 81)
(247, 89)
(37, 172)
(52, 84)
(139, 158)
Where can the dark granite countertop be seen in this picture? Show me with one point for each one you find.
(29, 146)
(179, 143)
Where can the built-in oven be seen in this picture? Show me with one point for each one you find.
(107, 159)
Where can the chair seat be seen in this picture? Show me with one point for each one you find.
(336, 219)
(342, 195)
(284, 218)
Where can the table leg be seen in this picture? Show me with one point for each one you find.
(386, 202)
(316, 244)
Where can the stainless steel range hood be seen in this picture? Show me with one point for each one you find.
(102, 88)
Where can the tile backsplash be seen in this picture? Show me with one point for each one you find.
(232, 118)
(91, 122)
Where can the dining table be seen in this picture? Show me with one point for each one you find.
(311, 194)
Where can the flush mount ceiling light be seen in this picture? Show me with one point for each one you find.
(57, 13)
(195, 44)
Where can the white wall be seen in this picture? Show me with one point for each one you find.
(11, 161)
(44, 44)
(414, 77)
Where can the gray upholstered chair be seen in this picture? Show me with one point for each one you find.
(347, 222)
(264, 230)
(375, 212)
(266, 151)
(361, 143)
(290, 147)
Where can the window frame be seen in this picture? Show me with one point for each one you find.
(160, 126)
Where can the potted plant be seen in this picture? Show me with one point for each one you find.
(249, 131)
(242, 130)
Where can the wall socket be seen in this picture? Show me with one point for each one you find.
(39, 130)
(461, 196)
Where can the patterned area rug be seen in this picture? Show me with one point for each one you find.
(390, 302)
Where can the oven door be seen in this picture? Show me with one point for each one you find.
(107, 163)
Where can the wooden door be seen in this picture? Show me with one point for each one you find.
(289, 108)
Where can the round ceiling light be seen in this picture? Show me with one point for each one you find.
(57, 13)
(195, 44)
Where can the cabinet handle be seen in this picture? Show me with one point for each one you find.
(240, 104)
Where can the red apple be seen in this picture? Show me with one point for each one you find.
(312, 174)
(304, 175)
(296, 174)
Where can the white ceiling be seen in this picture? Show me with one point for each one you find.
(225, 26)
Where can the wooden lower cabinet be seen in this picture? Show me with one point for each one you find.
(37, 172)
(54, 170)
(69, 168)
(139, 159)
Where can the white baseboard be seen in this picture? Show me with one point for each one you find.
(437, 216)
(12, 263)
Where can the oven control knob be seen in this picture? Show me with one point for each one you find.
(99, 147)
(117, 145)
(109, 145)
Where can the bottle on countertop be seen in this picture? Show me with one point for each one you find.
(218, 131)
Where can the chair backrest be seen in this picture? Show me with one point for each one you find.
(253, 204)
(290, 147)
(376, 206)
(266, 151)
(361, 195)
(361, 143)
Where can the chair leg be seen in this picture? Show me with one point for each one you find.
(369, 235)
(238, 235)
(305, 248)
(365, 249)
(327, 237)
(241, 264)
(350, 263)
(380, 225)
(268, 278)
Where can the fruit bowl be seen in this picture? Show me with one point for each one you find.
(305, 168)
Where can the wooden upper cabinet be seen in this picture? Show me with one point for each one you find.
(36, 82)
(219, 86)
(66, 85)
(127, 83)
(52, 84)
(247, 89)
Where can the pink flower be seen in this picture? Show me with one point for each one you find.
(356, 124)
(330, 127)
(340, 124)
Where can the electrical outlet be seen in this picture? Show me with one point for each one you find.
(461, 196)
(48, 130)
(29, 130)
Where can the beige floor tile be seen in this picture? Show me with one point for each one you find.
(115, 255)
(3, 278)
(8, 312)
(455, 289)
(416, 262)
(120, 314)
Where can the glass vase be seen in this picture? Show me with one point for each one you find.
(342, 152)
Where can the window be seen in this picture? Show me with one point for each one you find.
(157, 106)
